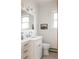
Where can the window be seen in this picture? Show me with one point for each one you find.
(55, 20)
(25, 19)
(25, 22)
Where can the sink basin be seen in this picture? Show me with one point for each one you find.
(36, 37)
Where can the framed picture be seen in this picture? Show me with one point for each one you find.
(44, 26)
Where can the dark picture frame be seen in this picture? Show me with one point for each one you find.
(44, 26)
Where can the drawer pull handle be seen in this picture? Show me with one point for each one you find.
(25, 51)
(25, 44)
(26, 57)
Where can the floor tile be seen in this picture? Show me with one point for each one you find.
(51, 56)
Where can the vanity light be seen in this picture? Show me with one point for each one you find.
(29, 9)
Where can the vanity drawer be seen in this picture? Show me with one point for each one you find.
(25, 50)
(27, 57)
(27, 53)
(27, 45)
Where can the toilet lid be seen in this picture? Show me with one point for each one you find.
(46, 45)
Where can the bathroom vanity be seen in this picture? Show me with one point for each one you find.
(31, 48)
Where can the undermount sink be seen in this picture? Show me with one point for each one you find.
(35, 37)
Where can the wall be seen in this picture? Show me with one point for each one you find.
(45, 16)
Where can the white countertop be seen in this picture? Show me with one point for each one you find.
(31, 39)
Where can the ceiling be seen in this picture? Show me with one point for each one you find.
(45, 1)
(42, 1)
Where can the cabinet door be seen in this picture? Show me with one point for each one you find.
(37, 52)
(38, 49)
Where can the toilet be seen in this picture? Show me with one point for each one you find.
(46, 48)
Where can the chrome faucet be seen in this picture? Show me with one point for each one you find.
(28, 34)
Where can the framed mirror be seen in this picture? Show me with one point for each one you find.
(27, 21)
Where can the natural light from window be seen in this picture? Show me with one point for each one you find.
(55, 20)
(25, 22)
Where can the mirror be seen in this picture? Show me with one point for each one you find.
(27, 21)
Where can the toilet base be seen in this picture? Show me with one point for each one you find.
(46, 49)
(45, 52)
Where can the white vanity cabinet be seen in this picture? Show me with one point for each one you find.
(27, 50)
(32, 49)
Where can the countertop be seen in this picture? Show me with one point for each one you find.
(31, 39)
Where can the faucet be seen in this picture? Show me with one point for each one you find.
(29, 34)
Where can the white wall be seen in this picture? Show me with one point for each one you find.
(44, 16)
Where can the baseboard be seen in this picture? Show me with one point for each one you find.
(55, 50)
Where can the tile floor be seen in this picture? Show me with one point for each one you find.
(51, 56)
